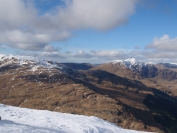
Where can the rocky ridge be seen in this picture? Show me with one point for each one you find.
(162, 76)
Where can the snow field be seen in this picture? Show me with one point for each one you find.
(22, 120)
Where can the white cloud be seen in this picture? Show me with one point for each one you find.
(53, 55)
(91, 54)
(96, 54)
(97, 14)
(49, 48)
(106, 56)
(107, 53)
(22, 27)
(30, 40)
(163, 49)
(14, 14)
(160, 54)
(164, 43)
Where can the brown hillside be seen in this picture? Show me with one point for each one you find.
(125, 102)
(155, 76)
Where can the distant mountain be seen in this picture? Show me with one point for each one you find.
(129, 68)
(79, 66)
(116, 91)
(161, 75)
(130, 63)
(167, 65)
(147, 70)
(32, 65)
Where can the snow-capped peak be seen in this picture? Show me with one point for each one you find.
(132, 61)
(32, 62)
(128, 63)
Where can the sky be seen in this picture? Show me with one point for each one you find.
(92, 31)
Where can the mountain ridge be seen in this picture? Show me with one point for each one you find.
(99, 93)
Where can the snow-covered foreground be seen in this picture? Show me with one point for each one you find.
(22, 120)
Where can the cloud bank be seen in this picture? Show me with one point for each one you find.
(164, 43)
(22, 27)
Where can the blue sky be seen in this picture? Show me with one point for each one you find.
(94, 31)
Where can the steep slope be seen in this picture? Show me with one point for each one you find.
(151, 106)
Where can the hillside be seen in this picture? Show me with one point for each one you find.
(48, 85)
(162, 76)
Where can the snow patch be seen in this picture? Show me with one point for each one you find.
(22, 120)
(131, 63)
(34, 63)
(128, 63)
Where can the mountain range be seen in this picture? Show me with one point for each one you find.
(131, 94)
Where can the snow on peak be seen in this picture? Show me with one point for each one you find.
(129, 63)
(150, 63)
(34, 63)
(132, 61)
